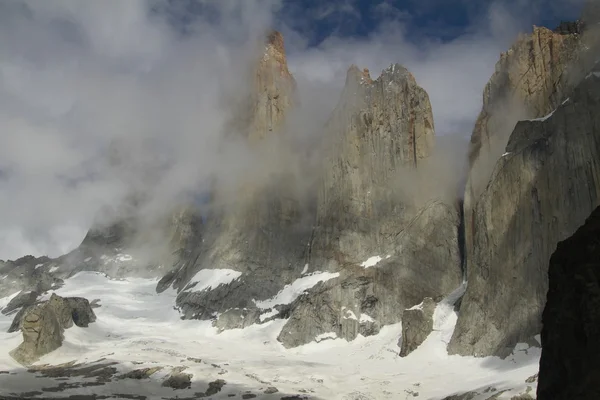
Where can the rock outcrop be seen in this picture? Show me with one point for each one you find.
(570, 363)
(43, 325)
(417, 324)
(371, 210)
(540, 191)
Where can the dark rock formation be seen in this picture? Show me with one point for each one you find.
(570, 363)
(417, 324)
(540, 191)
(43, 325)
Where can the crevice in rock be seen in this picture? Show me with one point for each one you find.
(462, 245)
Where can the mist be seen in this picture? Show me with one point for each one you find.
(101, 100)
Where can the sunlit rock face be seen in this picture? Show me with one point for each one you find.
(540, 190)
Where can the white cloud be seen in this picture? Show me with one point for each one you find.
(76, 76)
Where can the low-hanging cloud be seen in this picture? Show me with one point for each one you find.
(160, 83)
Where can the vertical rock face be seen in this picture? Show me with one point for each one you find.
(391, 246)
(570, 363)
(524, 85)
(274, 89)
(256, 226)
(417, 324)
(540, 191)
(528, 83)
(380, 131)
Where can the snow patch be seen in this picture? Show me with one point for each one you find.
(325, 336)
(208, 279)
(87, 259)
(292, 291)
(416, 307)
(123, 257)
(549, 115)
(53, 269)
(137, 324)
(348, 314)
(268, 315)
(505, 154)
(364, 318)
(371, 262)
(305, 270)
(37, 266)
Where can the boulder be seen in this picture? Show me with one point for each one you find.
(43, 325)
(417, 324)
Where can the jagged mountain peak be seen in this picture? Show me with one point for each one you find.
(395, 73)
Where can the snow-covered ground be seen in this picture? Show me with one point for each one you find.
(138, 328)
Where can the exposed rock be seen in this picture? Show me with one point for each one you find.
(379, 132)
(363, 300)
(43, 325)
(255, 225)
(143, 373)
(570, 362)
(379, 135)
(237, 318)
(464, 396)
(271, 390)
(539, 193)
(417, 324)
(215, 387)
(178, 380)
(28, 275)
(569, 27)
(529, 82)
(524, 85)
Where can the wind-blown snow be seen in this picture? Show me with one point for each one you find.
(138, 328)
(291, 292)
(211, 278)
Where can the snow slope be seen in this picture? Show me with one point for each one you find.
(138, 328)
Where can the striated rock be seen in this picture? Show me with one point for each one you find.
(417, 324)
(570, 362)
(379, 131)
(43, 325)
(524, 85)
(370, 204)
(529, 82)
(540, 191)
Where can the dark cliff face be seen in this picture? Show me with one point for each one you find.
(570, 363)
